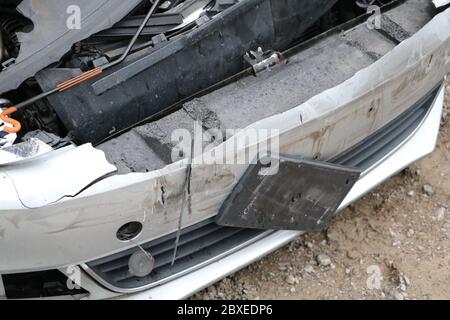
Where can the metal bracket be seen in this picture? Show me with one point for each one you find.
(261, 62)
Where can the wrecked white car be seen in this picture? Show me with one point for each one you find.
(151, 148)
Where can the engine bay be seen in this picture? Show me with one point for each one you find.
(106, 84)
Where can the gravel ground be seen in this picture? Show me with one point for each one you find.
(392, 244)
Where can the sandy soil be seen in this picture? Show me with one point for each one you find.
(392, 244)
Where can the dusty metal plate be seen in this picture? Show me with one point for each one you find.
(302, 195)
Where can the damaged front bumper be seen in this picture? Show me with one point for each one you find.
(418, 144)
(73, 220)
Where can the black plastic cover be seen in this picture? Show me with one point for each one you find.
(156, 78)
(299, 195)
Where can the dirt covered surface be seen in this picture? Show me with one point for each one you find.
(392, 244)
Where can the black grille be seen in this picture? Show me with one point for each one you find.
(198, 243)
(207, 240)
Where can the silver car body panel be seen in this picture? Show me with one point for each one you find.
(59, 233)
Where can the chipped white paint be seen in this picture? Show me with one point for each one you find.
(63, 233)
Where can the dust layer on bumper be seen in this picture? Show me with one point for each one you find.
(326, 124)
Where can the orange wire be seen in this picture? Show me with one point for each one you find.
(80, 79)
(16, 124)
